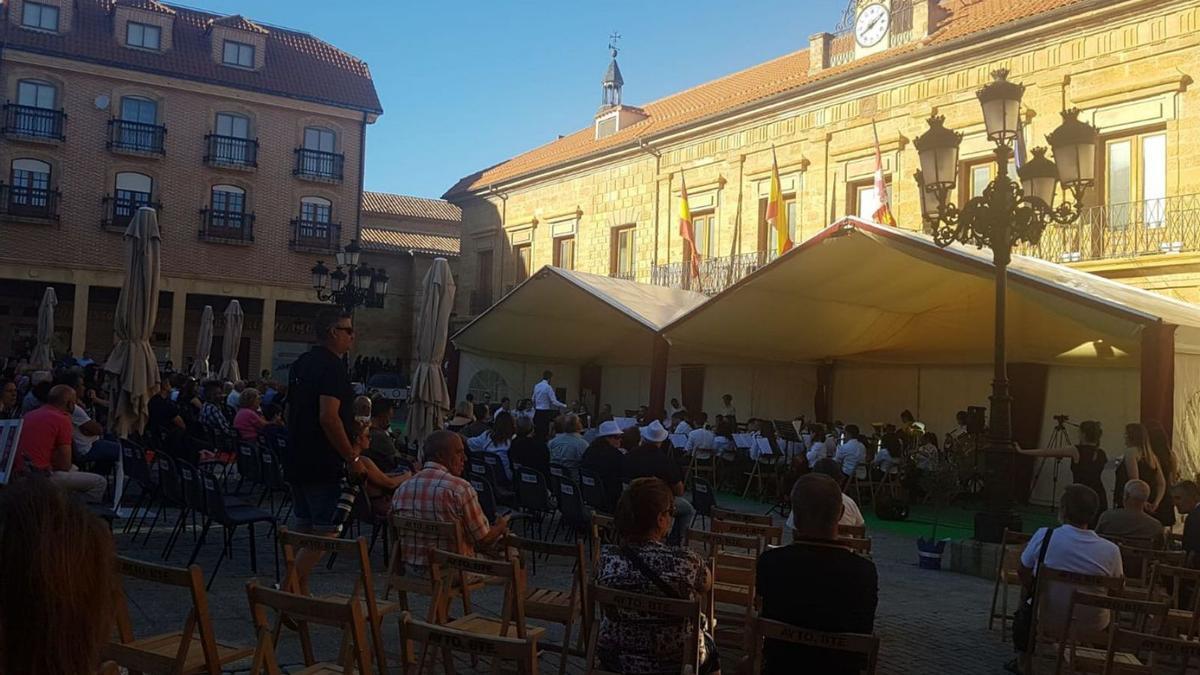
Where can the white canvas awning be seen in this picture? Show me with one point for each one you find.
(564, 316)
(861, 292)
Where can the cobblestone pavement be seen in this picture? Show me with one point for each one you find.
(930, 622)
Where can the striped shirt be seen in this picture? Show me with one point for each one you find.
(436, 494)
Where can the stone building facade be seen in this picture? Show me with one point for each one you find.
(606, 199)
(254, 170)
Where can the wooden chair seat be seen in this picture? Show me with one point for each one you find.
(158, 652)
(483, 625)
(1180, 618)
(384, 607)
(320, 669)
(730, 588)
(1093, 658)
(548, 604)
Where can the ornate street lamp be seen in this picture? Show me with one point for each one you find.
(351, 284)
(1007, 214)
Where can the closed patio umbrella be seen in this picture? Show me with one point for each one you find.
(43, 356)
(429, 399)
(200, 367)
(229, 346)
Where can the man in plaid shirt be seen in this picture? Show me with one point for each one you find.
(437, 492)
(212, 417)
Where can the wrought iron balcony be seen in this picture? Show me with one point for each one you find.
(230, 151)
(230, 227)
(137, 137)
(319, 165)
(121, 208)
(1130, 230)
(716, 274)
(26, 121)
(627, 275)
(481, 299)
(22, 202)
(314, 235)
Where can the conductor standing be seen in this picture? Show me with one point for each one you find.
(546, 406)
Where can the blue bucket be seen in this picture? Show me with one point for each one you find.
(929, 553)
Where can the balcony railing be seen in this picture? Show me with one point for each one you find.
(136, 137)
(231, 227)
(626, 275)
(315, 235)
(32, 122)
(841, 48)
(1129, 230)
(716, 274)
(480, 300)
(19, 201)
(230, 151)
(900, 31)
(120, 209)
(318, 164)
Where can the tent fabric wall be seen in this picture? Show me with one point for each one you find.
(770, 392)
(1186, 438)
(518, 376)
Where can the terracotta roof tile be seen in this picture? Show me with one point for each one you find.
(298, 65)
(778, 76)
(410, 207)
(149, 5)
(238, 22)
(395, 241)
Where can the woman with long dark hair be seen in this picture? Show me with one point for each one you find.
(497, 441)
(1160, 445)
(1139, 461)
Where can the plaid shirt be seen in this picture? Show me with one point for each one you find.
(436, 494)
(214, 419)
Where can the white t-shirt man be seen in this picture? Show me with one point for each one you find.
(82, 442)
(816, 452)
(851, 515)
(544, 397)
(850, 454)
(1073, 549)
(701, 443)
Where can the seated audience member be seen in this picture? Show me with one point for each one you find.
(382, 450)
(86, 433)
(38, 393)
(362, 409)
(605, 415)
(1130, 520)
(233, 393)
(566, 448)
(674, 407)
(212, 416)
(604, 457)
(273, 414)
(851, 453)
(437, 493)
(1073, 547)
(497, 442)
(641, 563)
(843, 602)
(464, 414)
(481, 422)
(529, 451)
(9, 409)
(249, 421)
(701, 443)
(851, 514)
(649, 459)
(167, 424)
(45, 446)
(679, 423)
(60, 582)
(1186, 495)
(631, 437)
(379, 485)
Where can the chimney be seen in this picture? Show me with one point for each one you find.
(926, 15)
(818, 51)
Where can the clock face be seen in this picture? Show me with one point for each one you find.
(872, 25)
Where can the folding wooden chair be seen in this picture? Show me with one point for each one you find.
(427, 535)
(858, 531)
(703, 467)
(704, 499)
(1045, 633)
(354, 656)
(613, 604)
(551, 604)
(770, 534)
(449, 640)
(716, 542)
(859, 545)
(864, 646)
(1138, 562)
(1075, 653)
(860, 480)
(1183, 617)
(1012, 544)
(192, 650)
(364, 583)
(741, 516)
(1158, 646)
(604, 531)
(889, 484)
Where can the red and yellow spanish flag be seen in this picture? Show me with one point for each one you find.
(883, 213)
(686, 229)
(777, 216)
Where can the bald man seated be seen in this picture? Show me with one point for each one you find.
(45, 446)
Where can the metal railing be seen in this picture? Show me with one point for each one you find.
(318, 164)
(627, 275)
(136, 136)
(20, 201)
(32, 122)
(119, 209)
(716, 274)
(230, 151)
(226, 226)
(1127, 230)
(901, 28)
(315, 235)
(841, 48)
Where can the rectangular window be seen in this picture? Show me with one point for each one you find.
(482, 299)
(234, 126)
(238, 54)
(37, 15)
(978, 176)
(316, 138)
(1135, 180)
(863, 200)
(143, 36)
(35, 94)
(623, 252)
(564, 253)
(523, 256)
(140, 110)
(705, 227)
(767, 241)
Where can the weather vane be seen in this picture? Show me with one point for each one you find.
(612, 43)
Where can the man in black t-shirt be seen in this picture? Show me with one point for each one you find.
(650, 459)
(320, 413)
(814, 583)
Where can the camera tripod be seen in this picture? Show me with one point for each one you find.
(1059, 438)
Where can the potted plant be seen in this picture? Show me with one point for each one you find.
(941, 482)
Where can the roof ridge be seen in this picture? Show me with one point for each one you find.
(239, 22)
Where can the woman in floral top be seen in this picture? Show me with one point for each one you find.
(635, 643)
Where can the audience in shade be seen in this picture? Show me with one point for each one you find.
(851, 514)
(249, 421)
(464, 414)
(851, 453)
(844, 600)
(641, 563)
(497, 441)
(527, 450)
(9, 409)
(650, 460)
(382, 450)
(1130, 520)
(1186, 497)
(212, 415)
(603, 458)
(233, 394)
(45, 446)
(566, 448)
(379, 485)
(87, 439)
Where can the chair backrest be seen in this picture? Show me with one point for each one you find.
(570, 503)
(741, 516)
(594, 492)
(438, 638)
(168, 479)
(1128, 641)
(198, 620)
(527, 549)
(487, 496)
(272, 470)
(452, 571)
(1142, 615)
(347, 615)
(770, 534)
(1139, 561)
(1048, 578)
(714, 542)
(247, 460)
(604, 531)
(533, 491)
(353, 549)
(557, 473)
(133, 459)
(1175, 579)
(613, 603)
(10, 434)
(193, 486)
(424, 534)
(860, 545)
(704, 500)
(865, 647)
(214, 501)
(858, 531)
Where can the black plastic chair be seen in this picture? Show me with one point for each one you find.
(558, 472)
(487, 499)
(575, 517)
(229, 517)
(272, 473)
(248, 466)
(172, 494)
(703, 498)
(137, 471)
(595, 495)
(533, 496)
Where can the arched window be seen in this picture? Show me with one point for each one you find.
(228, 198)
(139, 109)
(488, 385)
(30, 184)
(131, 192)
(37, 94)
(315, 210)
(233, 125)
(319, 139)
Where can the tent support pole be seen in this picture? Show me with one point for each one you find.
(1158, 376)
(658, 376)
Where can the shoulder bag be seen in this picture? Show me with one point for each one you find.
(1023, 639)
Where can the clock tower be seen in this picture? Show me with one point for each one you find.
(868, 27)
(872, 27)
